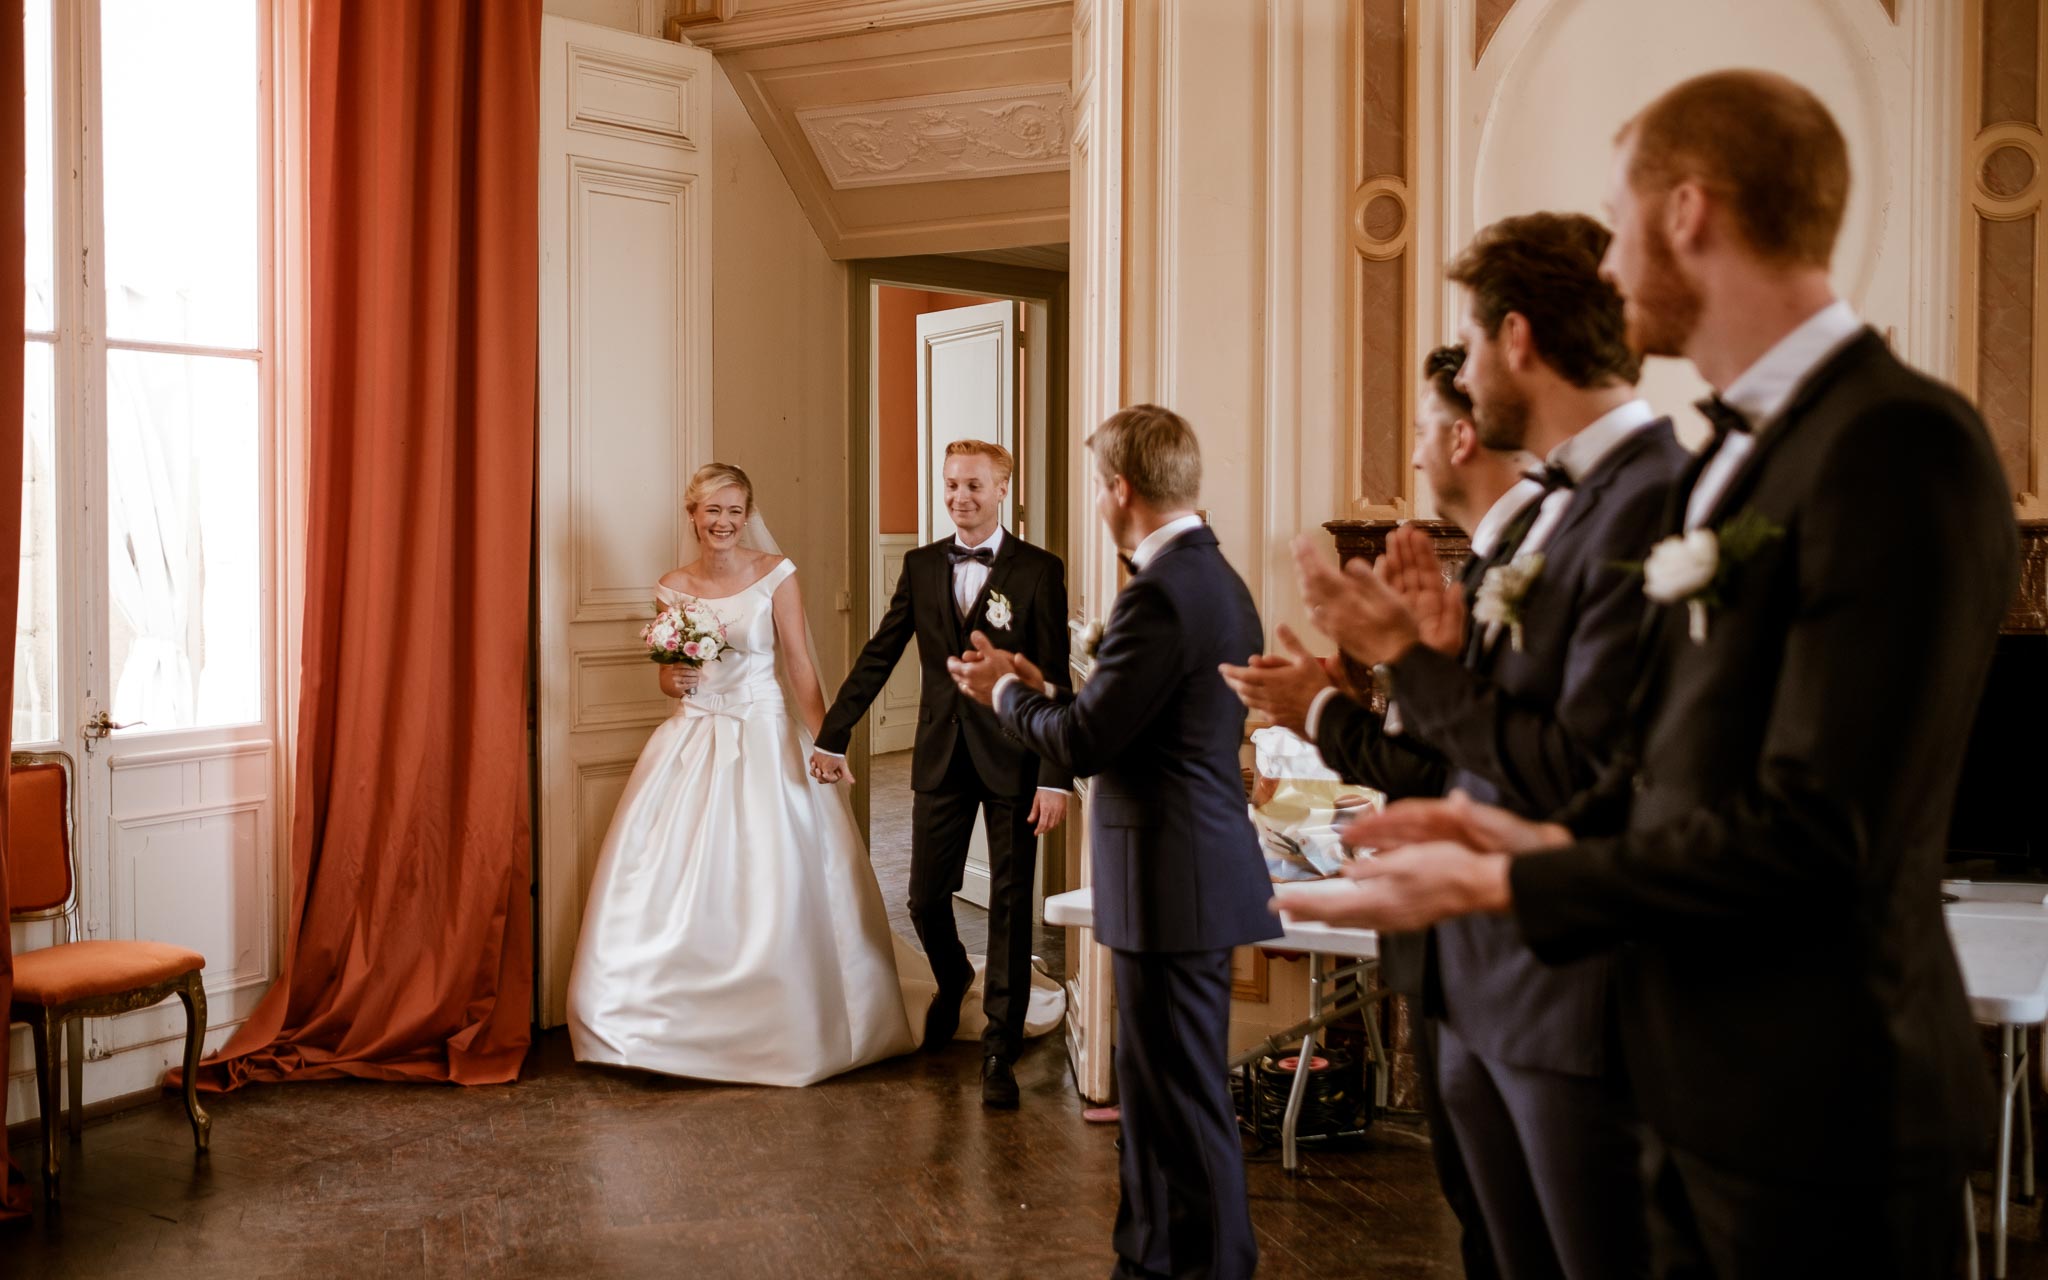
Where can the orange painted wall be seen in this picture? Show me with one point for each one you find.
(896, 398)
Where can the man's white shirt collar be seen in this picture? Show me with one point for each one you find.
(1156, 541)
(1504, 509)
(1762, 391)
(1584, 449)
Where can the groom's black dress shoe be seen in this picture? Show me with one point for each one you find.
(941, 1021)
(998, 1084)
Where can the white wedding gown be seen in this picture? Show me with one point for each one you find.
(734, 929)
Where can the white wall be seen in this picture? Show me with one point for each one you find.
(779, 377)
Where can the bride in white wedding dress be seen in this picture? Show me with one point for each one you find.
(734, 929)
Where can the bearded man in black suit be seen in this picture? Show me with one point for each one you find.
(1765, 860)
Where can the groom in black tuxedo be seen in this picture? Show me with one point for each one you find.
(1765, 862)
(982, 578)
(1178, 877)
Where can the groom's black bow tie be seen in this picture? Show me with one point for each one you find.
(1723, 416)
(980, 555)
(1130, 565)
(1551, 476)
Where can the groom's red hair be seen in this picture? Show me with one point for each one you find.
(998, 456)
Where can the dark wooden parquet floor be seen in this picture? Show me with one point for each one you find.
(892, 1171)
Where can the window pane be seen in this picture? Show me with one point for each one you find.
(184, 511)
(41, 210)
(35, 633)
(180, 106)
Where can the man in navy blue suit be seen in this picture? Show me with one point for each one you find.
(1178, 877)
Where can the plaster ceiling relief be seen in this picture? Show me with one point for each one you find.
(941, 137)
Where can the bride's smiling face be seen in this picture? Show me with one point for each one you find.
(719, 517)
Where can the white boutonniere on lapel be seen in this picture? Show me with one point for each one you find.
(1697, 569)
(1501, 592)
(999, 611)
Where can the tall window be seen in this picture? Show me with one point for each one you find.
(145, 411)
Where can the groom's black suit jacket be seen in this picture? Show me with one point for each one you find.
(1034, 581)
(1791, 1003)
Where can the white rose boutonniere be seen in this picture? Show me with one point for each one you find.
(1697, 569)
(1501, 592)
(999, 611)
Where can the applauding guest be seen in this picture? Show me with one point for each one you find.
(1485, 492)
(1527, 719)
(1179, 879)
(1794, 1018)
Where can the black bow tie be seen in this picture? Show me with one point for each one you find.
(1551, 477)
(980, 555)
(1723, 416)
(1130, 565)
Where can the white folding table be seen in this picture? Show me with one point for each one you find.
(2001, 937)
(1356, 949)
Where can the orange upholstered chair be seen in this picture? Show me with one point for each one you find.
(57, 987)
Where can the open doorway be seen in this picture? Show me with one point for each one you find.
(930, 365)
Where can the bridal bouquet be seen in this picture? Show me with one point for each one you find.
(687, 632)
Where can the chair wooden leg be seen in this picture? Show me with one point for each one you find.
(74, 1063)
(194, 996)
(43, 1034)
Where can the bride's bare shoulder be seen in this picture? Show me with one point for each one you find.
(682, 578)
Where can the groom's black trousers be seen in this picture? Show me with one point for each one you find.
(941, 831)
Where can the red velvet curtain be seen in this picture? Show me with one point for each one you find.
(409, 952)
(14, 1192)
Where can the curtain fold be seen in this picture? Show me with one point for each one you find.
(409, 946)
(14, 1190)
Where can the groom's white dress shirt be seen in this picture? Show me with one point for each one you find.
(970, 576)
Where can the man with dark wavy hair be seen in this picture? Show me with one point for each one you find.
(1763, 863)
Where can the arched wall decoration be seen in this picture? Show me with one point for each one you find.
(1380, 283)
(2002, 357)
(1486, 19)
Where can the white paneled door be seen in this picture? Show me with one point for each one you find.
(967, 388)
(625, 416)
(148, 629)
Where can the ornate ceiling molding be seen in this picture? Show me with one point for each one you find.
(983, 133)
(824, 19)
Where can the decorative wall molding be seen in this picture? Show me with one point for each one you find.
(2002, 357)
(1487, 16)
(825, 19)
(1381, 283)
(632, 98)
(940, 137)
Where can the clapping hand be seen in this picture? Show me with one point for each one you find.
(1366, 618)
(1282, 689)
(978, 671)
(1411, 570)
(1457, 818)
(1412, 888)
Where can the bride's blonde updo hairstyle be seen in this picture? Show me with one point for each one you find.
(710, 478)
